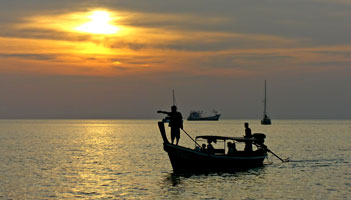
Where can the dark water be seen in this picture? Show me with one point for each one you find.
(124, 159)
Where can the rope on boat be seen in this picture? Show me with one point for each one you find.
(191, 138)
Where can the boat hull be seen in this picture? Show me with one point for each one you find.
(266, 121)
(186, 160)
(210, 118)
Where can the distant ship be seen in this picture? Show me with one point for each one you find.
(266, 120)
(199, 116)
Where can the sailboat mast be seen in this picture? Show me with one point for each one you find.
(174, 100)
(265, 99)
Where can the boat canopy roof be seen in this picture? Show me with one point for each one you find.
(224, 138)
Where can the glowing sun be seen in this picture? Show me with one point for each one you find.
(99, 24)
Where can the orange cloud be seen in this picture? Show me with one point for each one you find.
(52, 45)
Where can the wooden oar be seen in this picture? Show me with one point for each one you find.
(286, 160)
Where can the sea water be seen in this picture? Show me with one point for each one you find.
(124, 159)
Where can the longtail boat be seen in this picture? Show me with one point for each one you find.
(200, 159)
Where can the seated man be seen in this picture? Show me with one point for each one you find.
(197, 148)
(210, 148)
(203, 148)
(231, 148)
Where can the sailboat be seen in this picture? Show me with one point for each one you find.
(166, 119)
(266, 120)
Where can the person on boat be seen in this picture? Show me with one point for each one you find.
(175, 122)
(231, 148)
(210, 148)
(248, 134)
(203, 148)
(197, 148)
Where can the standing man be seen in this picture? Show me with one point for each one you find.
(175, 122)
(248, 144)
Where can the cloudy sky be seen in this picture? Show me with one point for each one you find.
(122, 59)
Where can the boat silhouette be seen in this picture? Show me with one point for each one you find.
(200, 160)
(200, 116)
(266, 120)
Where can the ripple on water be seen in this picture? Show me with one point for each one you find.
(124, 159)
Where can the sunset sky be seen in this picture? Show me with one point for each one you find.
(123, 58)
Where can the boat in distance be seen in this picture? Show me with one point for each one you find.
(266, 120)
(200, 160)
(199, 116)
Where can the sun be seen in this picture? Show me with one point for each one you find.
(99, 24)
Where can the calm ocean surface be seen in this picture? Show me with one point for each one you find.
(124, 159)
